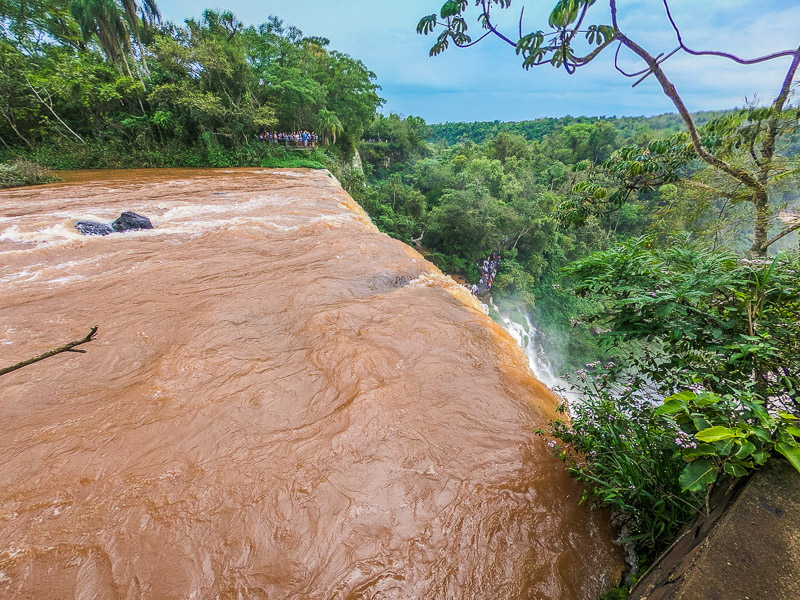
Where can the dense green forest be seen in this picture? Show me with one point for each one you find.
(689, 282)
(660, 262)
(632, 128)
(649, 298)
(99, 83)
(635, 261)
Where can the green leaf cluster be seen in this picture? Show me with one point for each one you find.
(629, 463)
(731, 435)
(731, 323)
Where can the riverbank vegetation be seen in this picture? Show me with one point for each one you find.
(680, 342)
(694, 300)
(109, 85)
(656, 299)
(24, 172)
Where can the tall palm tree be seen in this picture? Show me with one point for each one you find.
(112, 21)
(104, 19)
(147, 9)
(329, 124)
(150, 15)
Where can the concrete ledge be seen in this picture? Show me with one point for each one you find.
(748, 548)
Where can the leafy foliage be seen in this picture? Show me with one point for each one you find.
(734, 324)
(107, 74)
(23, 172)
(738, 137)
(629, 462)
(726, 146)
(733, 434)
(556, 47)
(703, 384)
(469, 199)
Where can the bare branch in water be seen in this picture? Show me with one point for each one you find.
(65, 348)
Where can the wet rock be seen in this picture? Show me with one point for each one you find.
(130, 221)
(93, 228)
(127, 221)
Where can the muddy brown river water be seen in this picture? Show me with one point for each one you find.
(281, 402)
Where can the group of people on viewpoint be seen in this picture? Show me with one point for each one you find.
(488, 269)
(297, 138)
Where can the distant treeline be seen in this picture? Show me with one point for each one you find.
(502, 190)
(628, 127)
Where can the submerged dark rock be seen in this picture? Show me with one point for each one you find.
(93, 228)
(127, 221)
(130, 221)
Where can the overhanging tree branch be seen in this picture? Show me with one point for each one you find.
(672, 93)
(618, 68)
(728, 55)
(593, 54)
(556, 48)
(768, 147)
(492, 28)
(50, 108)
(13, 126)
(711, 189)
(794, 227)
(468, 44)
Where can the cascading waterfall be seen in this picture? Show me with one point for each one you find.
(529, 338)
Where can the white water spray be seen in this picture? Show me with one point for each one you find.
(529, 338)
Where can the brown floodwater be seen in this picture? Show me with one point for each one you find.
(281, 402)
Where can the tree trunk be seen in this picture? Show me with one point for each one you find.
(125, 62)
(50, 108)
(19, 135)
(144, 58)
(761, 228)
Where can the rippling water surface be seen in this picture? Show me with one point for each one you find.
(281, 403)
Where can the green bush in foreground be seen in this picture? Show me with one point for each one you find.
(628, 459)
(704, 384)
(24, 172)
(730, 434)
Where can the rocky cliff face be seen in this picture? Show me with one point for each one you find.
(747, 547)
(281, 402)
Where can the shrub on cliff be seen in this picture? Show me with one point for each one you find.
(24, 172)
(704, 386)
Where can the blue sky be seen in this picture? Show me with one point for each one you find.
(487, 83)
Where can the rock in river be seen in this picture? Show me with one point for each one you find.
(127, 221)
(130, 221)
(93, 228)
